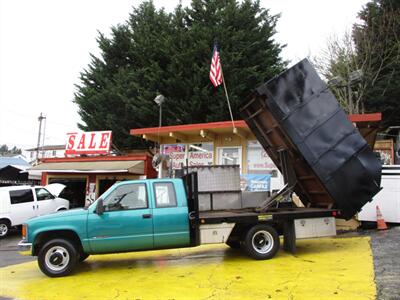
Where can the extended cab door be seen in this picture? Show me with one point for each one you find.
(170, 214)
(127, 222)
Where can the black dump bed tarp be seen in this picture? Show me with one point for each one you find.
(334, 166)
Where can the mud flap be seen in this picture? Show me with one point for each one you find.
(289, 237)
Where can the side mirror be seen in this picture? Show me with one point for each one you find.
(100, 207)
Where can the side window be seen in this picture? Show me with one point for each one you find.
(127, 196)
(43, 194)
(165, 194)
(21, 196)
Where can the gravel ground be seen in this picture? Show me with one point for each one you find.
(386, 250)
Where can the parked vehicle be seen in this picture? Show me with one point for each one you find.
(20, 203)
(388, 200)
(321, 155)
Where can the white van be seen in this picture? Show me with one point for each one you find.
(20, 203)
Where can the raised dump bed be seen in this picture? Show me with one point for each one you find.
(333, 164)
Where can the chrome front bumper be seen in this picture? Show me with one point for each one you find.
(24, 246)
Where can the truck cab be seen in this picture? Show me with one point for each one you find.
(139, 215)
(130, 216)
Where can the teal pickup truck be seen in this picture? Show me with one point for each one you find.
(153, 214)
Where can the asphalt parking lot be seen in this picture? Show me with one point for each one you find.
(361, 265)
(9, 254)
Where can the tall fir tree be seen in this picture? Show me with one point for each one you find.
(170, 53)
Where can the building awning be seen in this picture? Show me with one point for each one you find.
(202, 132)
(367, 124)
(126, 166)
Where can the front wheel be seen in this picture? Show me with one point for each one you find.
(4, 228)
(57, 258)
(261, 242)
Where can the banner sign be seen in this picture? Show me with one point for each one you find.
(256, 182)
(200, 158)
(177, 154)
(93, 142)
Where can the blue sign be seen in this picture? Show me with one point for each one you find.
(256, 182)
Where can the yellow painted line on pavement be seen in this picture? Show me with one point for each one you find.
(328, 268)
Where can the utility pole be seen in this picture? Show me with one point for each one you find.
(41, 117)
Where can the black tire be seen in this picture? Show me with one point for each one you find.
(4, 228)
(261, 242)
(57, 258)
(234, 244)
(83, 256)
(368, 225)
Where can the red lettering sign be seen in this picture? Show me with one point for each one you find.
(94, 142)
(71, 141)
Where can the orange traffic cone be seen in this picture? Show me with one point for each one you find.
(380, 222)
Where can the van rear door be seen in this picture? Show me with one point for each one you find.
(4, 203)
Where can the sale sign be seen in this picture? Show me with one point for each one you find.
(93, 142)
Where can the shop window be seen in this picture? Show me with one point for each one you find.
(21, 196)
(127, 196)
(197, 154)
(177, 154)
(230, 156)
(201, 154)
(165, 194)
(261, 171)
(258, 161)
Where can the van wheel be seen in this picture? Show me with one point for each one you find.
(4, 228)
(57, 258)
(261, 242)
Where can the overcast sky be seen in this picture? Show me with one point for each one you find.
(44, 44)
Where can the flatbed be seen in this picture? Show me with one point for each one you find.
(250, 216)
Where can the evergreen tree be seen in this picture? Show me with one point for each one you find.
(170, 53)
(377, 40)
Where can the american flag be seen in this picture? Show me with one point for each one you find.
(215, 71)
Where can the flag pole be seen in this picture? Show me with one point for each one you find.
(227, 98)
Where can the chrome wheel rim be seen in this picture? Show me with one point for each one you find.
(57, 258)
(262, 241)
(3, 229)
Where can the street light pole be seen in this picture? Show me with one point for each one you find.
(40, 119)
(160, 100)
(160, 121)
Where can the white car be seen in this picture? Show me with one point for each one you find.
(20, 203)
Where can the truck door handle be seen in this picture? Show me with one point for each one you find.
(33, 206)
(146, 216)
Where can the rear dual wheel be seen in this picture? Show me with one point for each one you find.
(261, 242)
